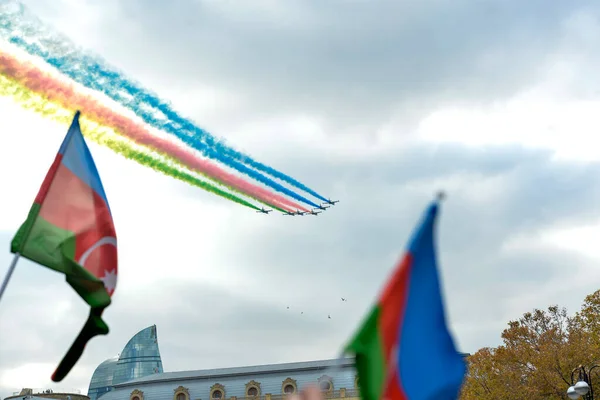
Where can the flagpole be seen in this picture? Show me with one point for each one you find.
(11, 269)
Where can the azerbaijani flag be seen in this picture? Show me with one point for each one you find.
(404, 350)
(70, 230)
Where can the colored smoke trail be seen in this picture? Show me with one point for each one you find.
(65, 95)
(101, 135)
(28, 32)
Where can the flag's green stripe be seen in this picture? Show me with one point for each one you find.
(44, 243)
(18, 242)
(162, 167)
(367, 345)
(32, 101)
(148, 160)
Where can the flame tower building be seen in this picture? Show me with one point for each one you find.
(140, 358)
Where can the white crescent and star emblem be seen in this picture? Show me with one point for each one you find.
(110, 271)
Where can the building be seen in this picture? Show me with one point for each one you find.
(269, 382)
(262, 382)
(140, 357)
(46, 394)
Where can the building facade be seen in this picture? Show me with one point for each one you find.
(138, 375)
(265, 382)
(140, 358)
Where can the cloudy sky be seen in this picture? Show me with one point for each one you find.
(376, 103)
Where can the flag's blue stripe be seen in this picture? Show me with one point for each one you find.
(77, 158)
(429, 365)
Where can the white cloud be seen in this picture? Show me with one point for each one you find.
(579, 239)
(35, 374)
(580, 272)
(536, 120)
(557, 111)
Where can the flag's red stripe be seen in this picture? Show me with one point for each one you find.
(392, 304)
(393, 389)
(103, 259)
(39, 199)
(70, 204)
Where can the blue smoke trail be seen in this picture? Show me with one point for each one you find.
(34, 37)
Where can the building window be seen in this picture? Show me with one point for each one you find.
(289, 389)
(181, 393)
(326, 384)
(217, 391)
(288, 386)
(136, 395)
(252, 389)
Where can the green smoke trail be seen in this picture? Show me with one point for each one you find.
(102, 135)
(158, 165)
(129, 151)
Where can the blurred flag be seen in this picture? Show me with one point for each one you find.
(404, 349)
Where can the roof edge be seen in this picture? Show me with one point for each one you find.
(301, 366)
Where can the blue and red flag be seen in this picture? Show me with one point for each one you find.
(404, 350)
(70, 230)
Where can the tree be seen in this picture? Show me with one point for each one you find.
(538, 354)
(588, 320)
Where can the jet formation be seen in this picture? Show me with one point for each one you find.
(315, 211)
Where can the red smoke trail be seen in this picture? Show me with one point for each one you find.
(66, 95)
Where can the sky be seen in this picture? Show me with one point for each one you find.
(376, 103)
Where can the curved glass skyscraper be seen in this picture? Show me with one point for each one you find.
(102, 379)
(139, 358)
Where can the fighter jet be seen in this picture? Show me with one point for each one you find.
(321, 207)
(289, 213)
(315, 212)
(262, 210)
(329, 201)
(298, 212)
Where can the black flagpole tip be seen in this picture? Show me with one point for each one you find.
(441, 195)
